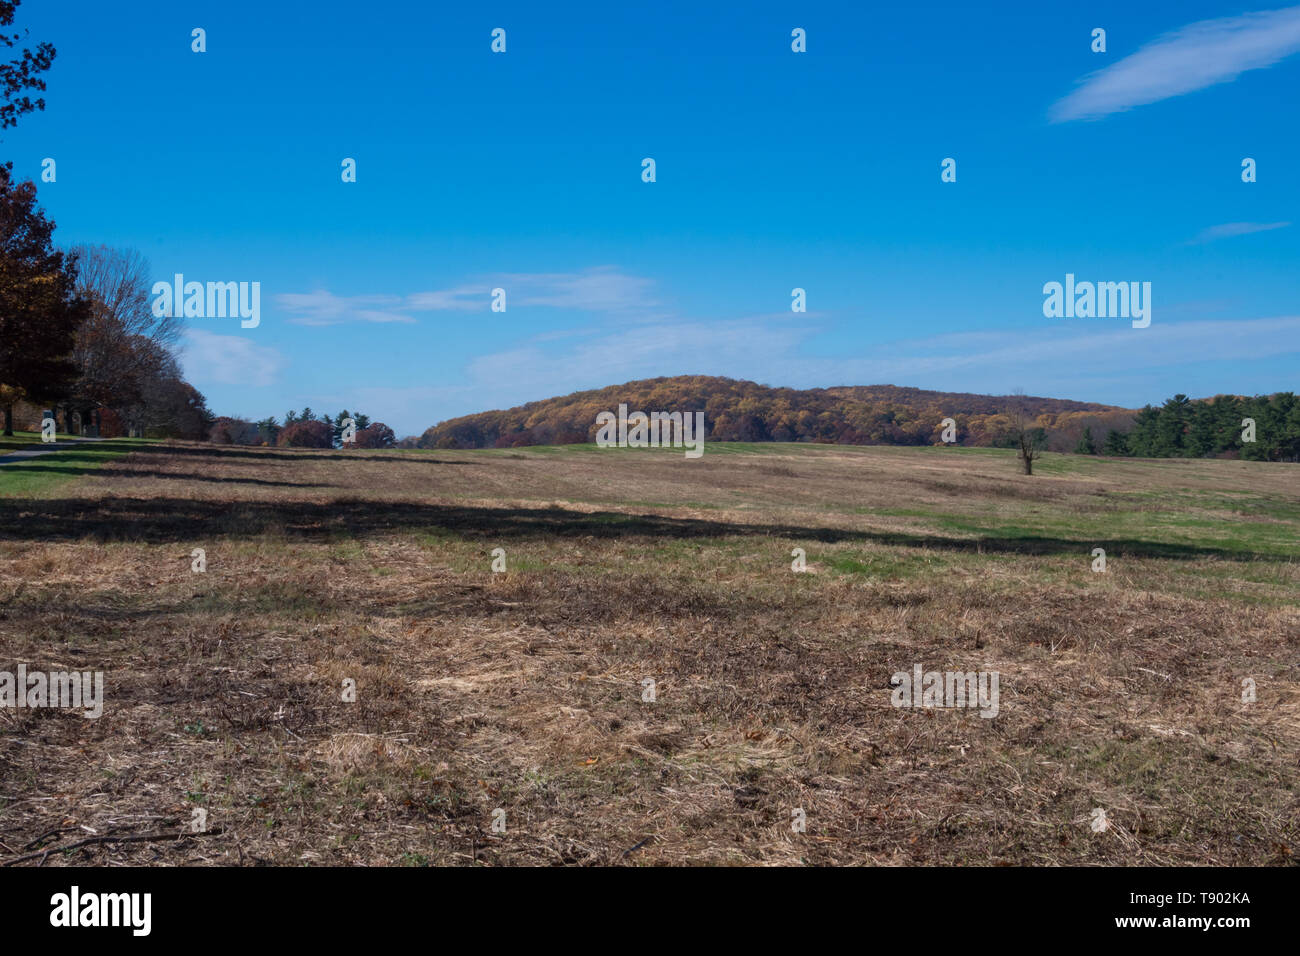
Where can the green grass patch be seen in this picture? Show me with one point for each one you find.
(887, 565)
(37, 476)
(21, 441)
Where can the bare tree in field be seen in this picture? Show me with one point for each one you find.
(1028, 437)
(117, 347)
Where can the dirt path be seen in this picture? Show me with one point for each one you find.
(26, 453)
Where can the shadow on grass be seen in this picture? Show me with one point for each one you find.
(217, 453)
(228, 452)
(68, 468)
(161, 520)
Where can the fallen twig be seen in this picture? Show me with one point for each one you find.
(108, 838)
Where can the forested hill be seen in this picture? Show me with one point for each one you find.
(746, 411)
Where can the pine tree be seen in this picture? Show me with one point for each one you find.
(1201, 439)
(1171, 428)
(1142, 439)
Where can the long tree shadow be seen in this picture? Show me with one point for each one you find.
(226, 452)
(162, 520)
(69, 469)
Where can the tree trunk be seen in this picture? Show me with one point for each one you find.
(9, 421)
(1028, 463)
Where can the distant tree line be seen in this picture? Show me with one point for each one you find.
(888, 415)
(303, 430)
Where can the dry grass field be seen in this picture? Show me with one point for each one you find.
(522, 690)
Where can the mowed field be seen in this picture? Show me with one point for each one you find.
(522, 691)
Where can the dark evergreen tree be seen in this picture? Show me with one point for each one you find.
(1142, 439)
(1171, 428)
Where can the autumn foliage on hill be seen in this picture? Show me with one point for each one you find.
(746, 411)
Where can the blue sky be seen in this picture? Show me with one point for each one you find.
(775, 170)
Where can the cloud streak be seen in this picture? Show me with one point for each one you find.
(603, 289)
(325, 308)
(1191, 58)
(1230, 229)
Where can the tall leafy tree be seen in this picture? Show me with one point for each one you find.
(47, 368)
(40, 310)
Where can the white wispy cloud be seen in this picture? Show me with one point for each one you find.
(1092, 345)
(642, 351)
(1229, 229)
(210, 359)
(326, 308)
(604, 289)
(1191, 58)
(464, 298)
